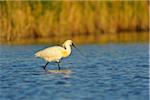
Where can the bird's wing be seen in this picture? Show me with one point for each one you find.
(51, 52)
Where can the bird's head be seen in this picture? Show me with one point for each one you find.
(68, 43)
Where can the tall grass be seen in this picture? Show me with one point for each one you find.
(40, 19)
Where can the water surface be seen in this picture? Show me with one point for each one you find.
(109, 72)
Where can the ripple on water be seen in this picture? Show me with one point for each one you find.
(111, 72)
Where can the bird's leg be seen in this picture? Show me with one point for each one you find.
(45, 66)
(58, 65)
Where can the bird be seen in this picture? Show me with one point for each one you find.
(56, 53)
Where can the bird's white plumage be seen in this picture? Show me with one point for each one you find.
(55, 53)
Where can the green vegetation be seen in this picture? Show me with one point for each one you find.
(59, 20)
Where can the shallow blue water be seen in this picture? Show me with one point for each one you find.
(110, 72)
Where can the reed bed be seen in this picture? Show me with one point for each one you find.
(61, 19)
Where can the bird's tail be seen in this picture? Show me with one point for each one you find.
(38, 54)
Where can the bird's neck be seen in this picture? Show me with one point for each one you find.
(68, 49)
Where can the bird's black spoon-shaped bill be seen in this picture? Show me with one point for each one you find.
(77, 49)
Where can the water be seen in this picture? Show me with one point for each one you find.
(110, 72)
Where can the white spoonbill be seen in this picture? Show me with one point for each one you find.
(55, 53)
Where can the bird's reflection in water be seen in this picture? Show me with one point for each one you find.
(59, 71)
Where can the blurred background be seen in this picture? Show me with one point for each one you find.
(29, 22)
